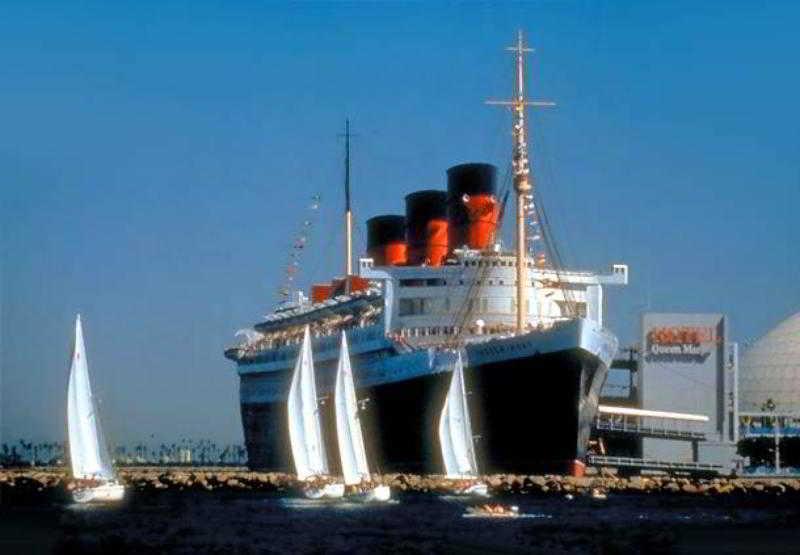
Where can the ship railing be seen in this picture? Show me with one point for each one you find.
(293, 335)
(650, 426)
(654, 464)
(474, 332)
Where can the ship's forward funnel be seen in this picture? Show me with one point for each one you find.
(426, 218)
(472, 208)
(386, 240)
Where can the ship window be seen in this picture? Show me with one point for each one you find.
(495, 263)
(436, 305)
(501, 282)
(412, 282)
(491, 282)
(461, 282)
(410, 307)
(435, 282)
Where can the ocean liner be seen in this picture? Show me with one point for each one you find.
(436, 282)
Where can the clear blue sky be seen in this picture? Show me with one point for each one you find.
(156, 160)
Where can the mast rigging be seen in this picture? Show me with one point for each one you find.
(523, 181)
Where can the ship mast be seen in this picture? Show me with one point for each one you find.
(348, 214)
(523, 181)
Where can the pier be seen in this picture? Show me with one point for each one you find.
(635, 463)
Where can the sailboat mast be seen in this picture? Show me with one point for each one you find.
(523, 181)
(348, 214)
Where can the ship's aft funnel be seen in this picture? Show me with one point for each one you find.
(426, 218)
(386, 240)
(472, 207)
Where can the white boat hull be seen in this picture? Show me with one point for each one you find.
(328, 491)
(379, 494)
(104, 493)
(475, 490)
(482, 512)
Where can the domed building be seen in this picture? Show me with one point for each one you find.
(769, 371)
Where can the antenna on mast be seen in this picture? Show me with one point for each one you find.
(348, 214)
(523, 182)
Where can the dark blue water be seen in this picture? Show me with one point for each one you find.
(179, 522)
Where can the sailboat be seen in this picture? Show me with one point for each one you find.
(455, 437)
(349, 434)
(305, 427)
(89, 457)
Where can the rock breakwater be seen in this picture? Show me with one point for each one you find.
(55, 482)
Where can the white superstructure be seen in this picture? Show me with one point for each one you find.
(477, 295)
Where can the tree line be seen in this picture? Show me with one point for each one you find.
(199, 452)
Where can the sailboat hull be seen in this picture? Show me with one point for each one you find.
(381, 493)
(479, 489)
(105, 493)
(532, 400)
(328, 491)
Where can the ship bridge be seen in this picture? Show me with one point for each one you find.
(475, 294)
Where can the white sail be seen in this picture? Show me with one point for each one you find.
(348, 425)
(305, 429)
(455, 429)
(87, 449)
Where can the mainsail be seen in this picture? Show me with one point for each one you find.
(348, 426)
(87, 449)
(305, 430)
(455, 429)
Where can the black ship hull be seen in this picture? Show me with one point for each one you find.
(529, 414)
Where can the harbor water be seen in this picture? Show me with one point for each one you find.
(257, 522)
